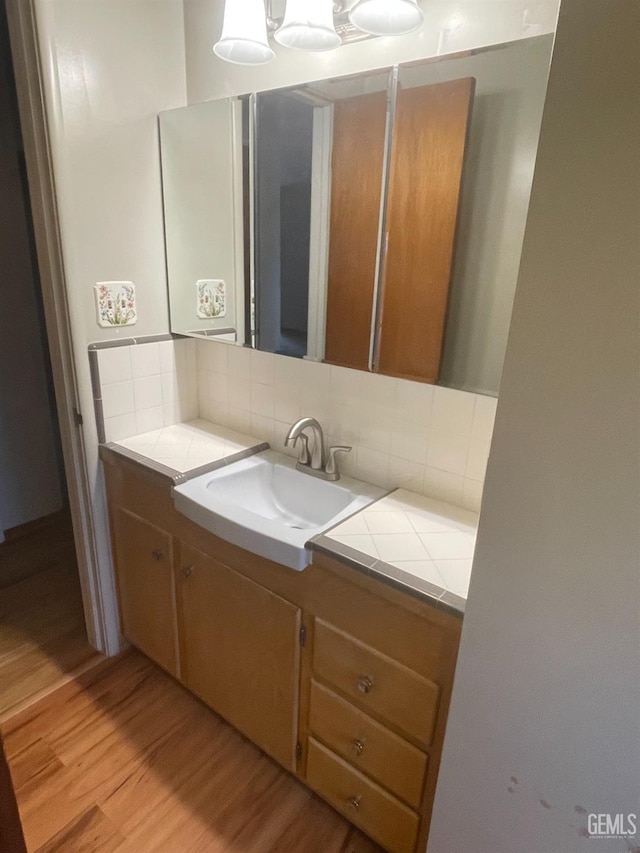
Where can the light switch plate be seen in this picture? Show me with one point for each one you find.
(211, 298)
(115, 303)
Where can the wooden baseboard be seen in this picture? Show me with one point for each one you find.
(61, 516)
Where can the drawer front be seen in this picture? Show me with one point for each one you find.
(380, 685)
(367, 745)
(385, 819)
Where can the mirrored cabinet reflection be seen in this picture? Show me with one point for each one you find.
(372, 221)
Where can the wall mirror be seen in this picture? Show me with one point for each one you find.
(373, 221)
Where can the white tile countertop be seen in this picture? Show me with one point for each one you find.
(191, 445)
(418, 542)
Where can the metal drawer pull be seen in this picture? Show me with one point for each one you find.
(357, 746)
(365, 684)
(157, 554)
(354, 802)
(186, 573)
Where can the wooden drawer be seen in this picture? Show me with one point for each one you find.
(369, 746)
(387, 689)
(380, 815)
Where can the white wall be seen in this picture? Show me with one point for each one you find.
(544, 722)
(109, 67)
(29, 446)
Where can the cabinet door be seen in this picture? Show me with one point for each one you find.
(241, 652)
(144, 565)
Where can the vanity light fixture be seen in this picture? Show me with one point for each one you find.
(244, 38)
(386, 17)
(309, 25)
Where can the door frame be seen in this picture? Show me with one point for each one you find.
(27, 72)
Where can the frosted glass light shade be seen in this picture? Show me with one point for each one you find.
(386, 17)
(244, 33)
(308, 25)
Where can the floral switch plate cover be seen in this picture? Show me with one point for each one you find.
(115, 303)
(211, 298)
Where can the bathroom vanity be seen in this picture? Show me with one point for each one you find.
(342, 673)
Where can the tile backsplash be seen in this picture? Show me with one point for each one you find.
(431, 440)
(425, 438)
(144, 386)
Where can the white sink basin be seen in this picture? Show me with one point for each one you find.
(265, 505)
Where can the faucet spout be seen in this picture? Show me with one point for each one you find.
(317, 449)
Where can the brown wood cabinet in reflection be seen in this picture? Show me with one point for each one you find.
(425, 170)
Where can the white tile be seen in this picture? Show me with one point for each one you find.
(477, 458)
(263, 428)
(240, 394)
(447, 451)
(262, 367)
(286, 405)
(428, 522)
(448, 546)
(167, 350)
(114, 364)
(262, 400)
(280, 430)
(409, 441)
(376, 388)
(346, 383)
(145, 360)
(424, 569)
(443, 486)
(317, 375)
(203, 386)
(354, 525)
(400, 546)
(405, 474)
(375, 427)
(393, 521)
(119, 427)
(117, 399)
(149, 419)
(456, 575)
(414, 401)
(452, 410)
(472, 494)
(238, 361)
(147, 392)
(239, 419)
(484, 416)
(214, 357)
(287, 371)
(372, 466)
(218, 388)
(362, 543)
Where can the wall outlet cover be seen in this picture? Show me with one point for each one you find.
(115, 303)
(211, 298)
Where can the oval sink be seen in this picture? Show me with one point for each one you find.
(265, 505)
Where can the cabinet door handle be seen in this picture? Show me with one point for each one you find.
(187, 572)
(357, 746)
(365, 683)
(157, 554)
(354, 802)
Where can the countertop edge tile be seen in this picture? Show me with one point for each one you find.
(385, 573)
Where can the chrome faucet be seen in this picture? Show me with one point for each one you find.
(314, 462)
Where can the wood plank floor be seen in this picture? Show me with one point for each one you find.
(124, 760)
(42, 632)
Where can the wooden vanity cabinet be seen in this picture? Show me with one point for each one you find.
(342, 679)
(144, 574)
(240, 651)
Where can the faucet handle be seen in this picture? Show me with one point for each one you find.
(304, 457)
(331, 467)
